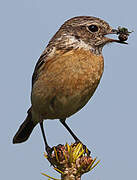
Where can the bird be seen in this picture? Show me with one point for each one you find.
(67, 74)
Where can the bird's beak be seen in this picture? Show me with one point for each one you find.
(114, 31)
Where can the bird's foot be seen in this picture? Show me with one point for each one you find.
(49, 151)
(54, 153)
(87, 151)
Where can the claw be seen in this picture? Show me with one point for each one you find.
(49, 151)
(87, 151)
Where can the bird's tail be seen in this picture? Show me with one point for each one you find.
(25, 129)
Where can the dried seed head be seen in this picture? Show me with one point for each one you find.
(71, 160)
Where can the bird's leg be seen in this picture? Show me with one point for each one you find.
(74, 136)
(47, 148)
(70, 131)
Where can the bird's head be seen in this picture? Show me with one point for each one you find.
(85, 32)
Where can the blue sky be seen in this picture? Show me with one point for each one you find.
(107, 124)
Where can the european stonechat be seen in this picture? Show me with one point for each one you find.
(67, 73)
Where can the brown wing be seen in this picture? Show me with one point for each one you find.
(41, 60)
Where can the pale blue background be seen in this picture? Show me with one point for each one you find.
(108, 124)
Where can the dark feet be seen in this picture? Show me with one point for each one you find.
(74, 136)
(49, 150)
(87, 151)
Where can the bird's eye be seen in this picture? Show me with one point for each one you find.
(93, 28)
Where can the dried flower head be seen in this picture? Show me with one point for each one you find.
(71, 161)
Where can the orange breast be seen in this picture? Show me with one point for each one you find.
(66, 82)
